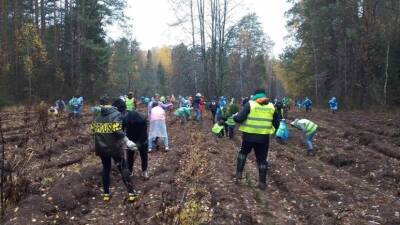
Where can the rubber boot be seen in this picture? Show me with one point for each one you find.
(241, 161)
(262, 176)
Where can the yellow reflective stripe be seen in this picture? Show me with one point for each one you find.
(259, 119)
(257, 126)
(105, 128)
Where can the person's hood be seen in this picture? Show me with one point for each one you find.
(294, 123)
(107, 110)
(262, 101)
(120, 105)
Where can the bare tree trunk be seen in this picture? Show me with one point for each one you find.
(386, 72)
(345, 72)
(315, 69)
(201, 8)
(1, 31)
(241, 75)
(194, 61)
(42, 18)
(37, 13)
(221, 45)
(192, 22)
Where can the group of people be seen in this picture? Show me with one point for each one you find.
(306, 104)
(259, 118)
(120, 130)
(74, 107)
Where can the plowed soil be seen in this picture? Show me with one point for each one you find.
(54, 177)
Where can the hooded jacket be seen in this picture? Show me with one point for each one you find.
(133, 123)
(108, 132)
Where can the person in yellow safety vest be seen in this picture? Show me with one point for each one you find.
(218, 129)
(309, 129)
(258, 120)
(130, 102)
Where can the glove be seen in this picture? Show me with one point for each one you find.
(130, 144)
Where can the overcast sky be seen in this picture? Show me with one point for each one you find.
(152, 19)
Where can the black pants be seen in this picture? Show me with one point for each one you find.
(261, 152)
(122, 167)
(143, 151)
(213, 116)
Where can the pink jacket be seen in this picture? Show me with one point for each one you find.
(157, 113)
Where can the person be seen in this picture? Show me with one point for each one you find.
(279, 109)
(130, 102)
(221, 105)
(183, 114)
(299, 104)
(135, 126)
(158, 127)
(74, 105)
(245, 100)
(155, 98)
(212, 106)
(333, 105)
(218, 129)
(286, 106)
(60, 105)
(231, 109)
(197, 104)
(309, 130)
(258, 120)
(307, 103)
(109, 143)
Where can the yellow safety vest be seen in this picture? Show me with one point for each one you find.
(130, 104)
(259, 120)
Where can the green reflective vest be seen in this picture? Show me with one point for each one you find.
(230, 121)
(259, 120)
(130, 104)
(309, 126)
(217, 128)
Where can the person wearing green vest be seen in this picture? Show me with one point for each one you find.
(218, 129)
(130, 102)
(227, 116)
(309, 129)
(258, 120)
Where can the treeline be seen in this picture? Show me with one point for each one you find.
(180, 70)
(54, 48)
(226, 56)
(344, 48)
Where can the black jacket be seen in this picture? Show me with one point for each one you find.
(256, 138)
(196, 102)
(212, 106)
(135, 126)
(108, 133)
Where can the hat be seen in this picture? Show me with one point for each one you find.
(104, 100)
(120, 105)
(130, 93)
(259, 91)
(198, 95)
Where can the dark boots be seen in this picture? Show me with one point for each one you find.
(241, 161)
(262, 176)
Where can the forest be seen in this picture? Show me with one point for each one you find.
(107, 158)
(60, 48)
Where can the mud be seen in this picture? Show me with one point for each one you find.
(354, 178)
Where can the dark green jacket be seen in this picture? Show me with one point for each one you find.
(108, 132)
